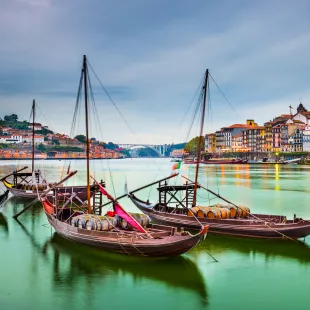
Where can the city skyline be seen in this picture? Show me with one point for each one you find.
(151, 57)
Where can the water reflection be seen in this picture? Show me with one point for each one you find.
(179, 272)
(271, 249)
(72, 263)
(4, 224)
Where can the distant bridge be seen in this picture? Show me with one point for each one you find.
(160, 149)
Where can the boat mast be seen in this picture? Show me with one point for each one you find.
(87, 137)
(200, 135)
(33, 118)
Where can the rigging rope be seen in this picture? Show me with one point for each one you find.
(224, 95)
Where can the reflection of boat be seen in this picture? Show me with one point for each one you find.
(4, 197)
(273, 248)
(4, 223)
(228, 219)
(120, 231)
(179, 272)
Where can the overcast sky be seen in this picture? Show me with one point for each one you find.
(151, 56)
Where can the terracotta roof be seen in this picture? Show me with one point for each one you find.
(237, 136)
(239, 126)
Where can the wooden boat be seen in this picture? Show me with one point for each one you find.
(263, 226)
(218, 161)
(24, 187)
(117, 231)
(181, 212)
(31, 184)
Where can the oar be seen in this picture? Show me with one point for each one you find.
(13, 173)
(44, 194)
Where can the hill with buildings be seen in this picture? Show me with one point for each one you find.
(286, 133)
(16, 142)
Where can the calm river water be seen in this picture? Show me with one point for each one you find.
(39, 270)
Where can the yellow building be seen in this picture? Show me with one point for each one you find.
(210, 143)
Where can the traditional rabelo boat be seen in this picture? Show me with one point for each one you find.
(30, 184)
(25, 184)
(225, 219)
(118, 230)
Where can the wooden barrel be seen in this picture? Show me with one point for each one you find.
(80, 222)
(125, 225)
(75, 221)
(202, 212)
(233, 211)
(244, 211)
(225, 213)
(113, 221)
(193, 211)
(98, 223)
(141, 218)
(214, 213)
(106, 224)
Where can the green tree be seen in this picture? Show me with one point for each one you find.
(81, 138)
(192, 145)
(11, 118)
(41, 147)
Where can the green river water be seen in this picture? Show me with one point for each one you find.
(40, 270)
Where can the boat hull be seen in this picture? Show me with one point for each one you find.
(233, 227)
(218, 162)
(113, 241)
(64, 191)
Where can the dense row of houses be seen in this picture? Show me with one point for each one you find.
(285, 133)
(24, 137)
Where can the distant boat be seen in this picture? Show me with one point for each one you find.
(176, 160)
(217, 161)
(30, 184)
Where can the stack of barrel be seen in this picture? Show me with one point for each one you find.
(142, 219)
(107, 223)
(219, 211)
(94, 222)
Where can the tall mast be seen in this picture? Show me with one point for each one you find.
(201, 135)
(33, 118)
(87, 137)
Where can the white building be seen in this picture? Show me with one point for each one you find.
(12, 139)
(37, 126)
(37, 139)
(306, 139)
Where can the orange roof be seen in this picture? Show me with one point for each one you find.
(237, 136)
(239, 126)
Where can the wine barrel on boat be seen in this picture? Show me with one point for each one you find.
(142, 219)
(203, 211)
(193, 211)
(199, 211)
(233, 211)
(243, 211)
(94, 222)
(214, 213)
(225, 212)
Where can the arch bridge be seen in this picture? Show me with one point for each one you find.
(159, 149)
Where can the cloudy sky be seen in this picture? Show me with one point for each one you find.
(151, 56)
